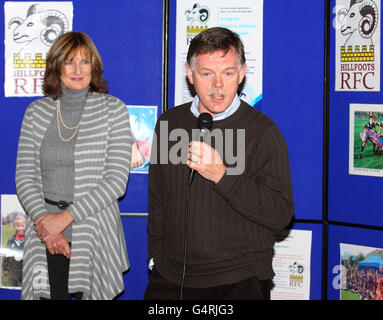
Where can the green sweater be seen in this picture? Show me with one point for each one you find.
(232, 223)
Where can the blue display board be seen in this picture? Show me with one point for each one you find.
(293, 93)
(128, 36)
(350, 196)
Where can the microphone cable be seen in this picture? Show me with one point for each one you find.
(190, 180)
(204, 123)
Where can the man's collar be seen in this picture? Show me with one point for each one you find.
(219, 116)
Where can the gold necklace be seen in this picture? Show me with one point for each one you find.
(60, 120)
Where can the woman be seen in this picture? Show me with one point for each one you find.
(72, 165)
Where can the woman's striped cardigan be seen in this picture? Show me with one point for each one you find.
(102, 161)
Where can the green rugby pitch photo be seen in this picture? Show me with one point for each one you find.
(366, 140)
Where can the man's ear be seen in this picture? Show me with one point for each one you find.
(189, 73)
(242, 73)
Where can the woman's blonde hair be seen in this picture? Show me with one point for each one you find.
(63, 49)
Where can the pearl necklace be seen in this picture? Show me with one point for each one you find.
(60, 120)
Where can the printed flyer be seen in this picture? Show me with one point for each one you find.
(244, 17)
(291, 264)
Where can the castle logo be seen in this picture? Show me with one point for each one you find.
(27, 62)
(196, 19)
(357, 45)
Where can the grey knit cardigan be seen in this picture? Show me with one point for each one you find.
(102, 161)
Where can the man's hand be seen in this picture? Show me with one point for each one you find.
(206, 161)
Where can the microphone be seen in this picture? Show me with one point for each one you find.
(204, 123)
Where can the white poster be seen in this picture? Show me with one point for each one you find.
(244, 17)
(291, 264)
(30, 30)
(357, 48)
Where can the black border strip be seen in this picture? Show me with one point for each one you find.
(356, 225)
(326, 105)
(165, 56)
(339, 223)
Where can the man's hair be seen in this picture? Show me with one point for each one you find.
(215, 39)
(63, 49)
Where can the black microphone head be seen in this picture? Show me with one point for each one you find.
(205, 121)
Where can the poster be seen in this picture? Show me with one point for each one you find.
(142, 121)
(357, 49)
(30, 30)
(13, 224)
(361, 275)
(291, 264)
(366, 140)
(244, 17)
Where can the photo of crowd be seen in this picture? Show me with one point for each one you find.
(366, 283)
(362, 273)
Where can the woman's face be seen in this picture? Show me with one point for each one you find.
(76, 71)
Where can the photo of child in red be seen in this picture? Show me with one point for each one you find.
(13, 261)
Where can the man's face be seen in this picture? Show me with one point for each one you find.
(216, 78)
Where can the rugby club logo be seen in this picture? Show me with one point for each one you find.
(358, 45)
(196, 19)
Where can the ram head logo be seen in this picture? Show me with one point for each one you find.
(39, 26)
(197, 15)
(359, 22)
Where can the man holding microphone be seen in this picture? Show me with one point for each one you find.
(232, 213)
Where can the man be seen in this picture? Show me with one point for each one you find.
(232, 212)
(370, 134)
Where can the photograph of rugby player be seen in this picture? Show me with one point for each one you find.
(366, 139)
